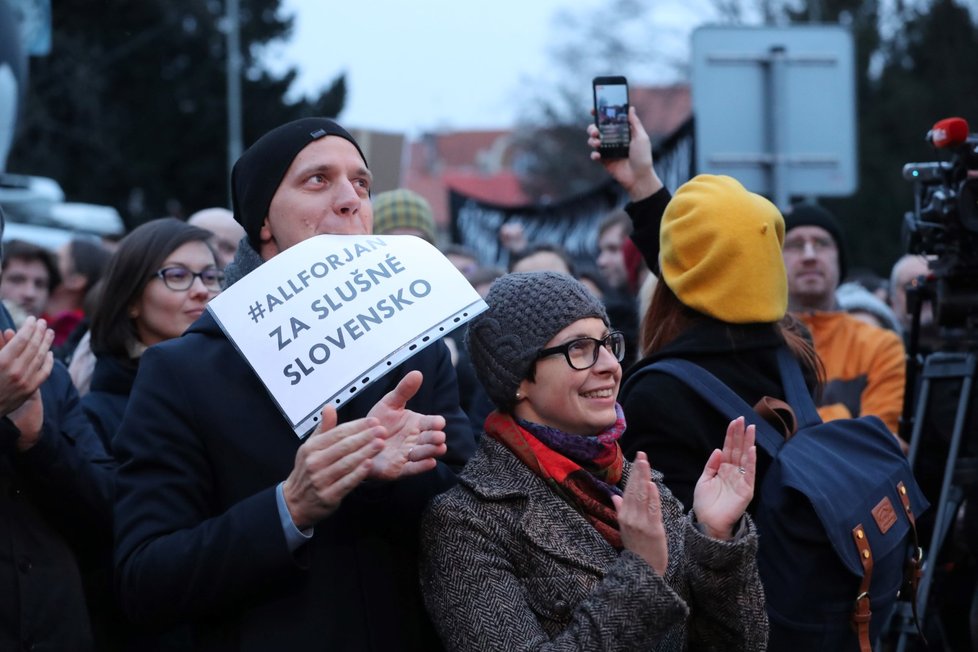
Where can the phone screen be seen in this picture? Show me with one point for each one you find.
(611, 114)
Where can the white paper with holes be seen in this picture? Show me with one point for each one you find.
(330, 315)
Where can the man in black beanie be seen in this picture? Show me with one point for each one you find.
(229, 523)
(817, 254)
(864, 365)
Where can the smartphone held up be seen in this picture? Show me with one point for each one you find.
(611, 115)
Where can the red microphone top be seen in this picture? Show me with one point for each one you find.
(949, 132)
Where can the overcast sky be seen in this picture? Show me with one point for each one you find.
(427, 64)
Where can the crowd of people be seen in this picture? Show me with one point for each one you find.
(496, 491)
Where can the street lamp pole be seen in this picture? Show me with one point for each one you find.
(233, 62)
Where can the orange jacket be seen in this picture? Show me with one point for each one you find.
(864, 367)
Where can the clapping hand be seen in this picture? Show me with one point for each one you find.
(25, 362)
(413, 440)
(389, 443)
(640, 516)
(727, 484)
(330, 464)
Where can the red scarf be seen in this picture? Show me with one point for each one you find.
(589, 490)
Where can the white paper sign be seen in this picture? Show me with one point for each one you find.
(330, 315)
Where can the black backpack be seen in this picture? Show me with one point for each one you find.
(835, 514)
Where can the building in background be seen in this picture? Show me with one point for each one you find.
(484, 165)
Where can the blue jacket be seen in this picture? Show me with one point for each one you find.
(54, 505)
(198, 535)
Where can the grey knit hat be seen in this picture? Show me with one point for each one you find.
(526, 309)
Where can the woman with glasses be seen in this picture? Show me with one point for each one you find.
(157, 283)
(551, 540)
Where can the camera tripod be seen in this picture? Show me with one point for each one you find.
(959, 473)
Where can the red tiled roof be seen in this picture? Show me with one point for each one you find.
(503, 188)
(476, 163)
(662, 109)
(462, 148)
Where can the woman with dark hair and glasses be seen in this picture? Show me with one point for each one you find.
(157, 283)
(551, 540)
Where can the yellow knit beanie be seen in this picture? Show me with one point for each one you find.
(720, 251)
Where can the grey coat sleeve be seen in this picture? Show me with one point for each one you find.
(726, 597)
(477, 601)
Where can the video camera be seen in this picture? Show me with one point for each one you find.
(944, 223)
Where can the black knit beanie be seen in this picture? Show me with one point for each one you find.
(815, 215)
(258, 173)
(526, 309)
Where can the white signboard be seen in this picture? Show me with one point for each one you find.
(330, 315)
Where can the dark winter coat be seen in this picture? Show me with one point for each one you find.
(54, 505)
(105, 403)
(198, 534)
(672, 424)
(509, 565)
(666, 419)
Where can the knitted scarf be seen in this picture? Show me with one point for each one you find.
(584, 471)
(245, 260)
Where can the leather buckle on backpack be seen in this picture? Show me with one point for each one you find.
(779, 414)
(861, 612)
(918, 556)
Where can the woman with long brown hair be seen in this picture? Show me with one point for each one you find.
(157, 283)
(720, 302)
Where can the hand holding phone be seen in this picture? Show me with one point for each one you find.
(611, 115)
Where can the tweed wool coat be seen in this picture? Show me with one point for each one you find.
(507, 564)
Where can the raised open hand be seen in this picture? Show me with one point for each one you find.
(727, 484)
(640, 516)
(413, 440)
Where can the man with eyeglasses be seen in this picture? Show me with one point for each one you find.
(225, 520)
(864, 365)
(55, 483)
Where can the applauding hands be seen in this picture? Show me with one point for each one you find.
(25, 362)
(640, 516)
(722, 494)
(389, 443)
(727, 484)
(413, 441)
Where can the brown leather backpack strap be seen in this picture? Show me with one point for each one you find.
(913, 569)
(861, 611)
(777, 413)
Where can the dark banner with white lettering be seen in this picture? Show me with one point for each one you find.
(572, 223)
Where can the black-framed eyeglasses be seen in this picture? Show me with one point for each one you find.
(181, 278)
(583, 353)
